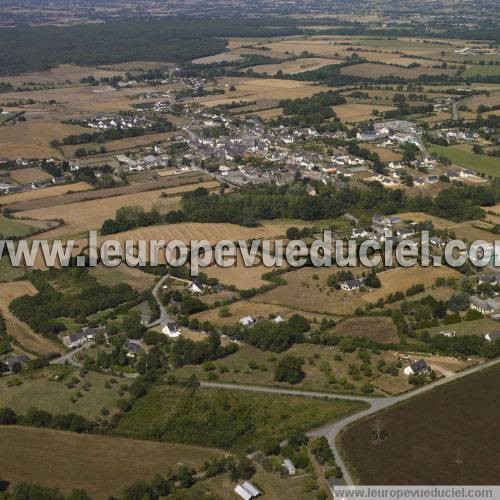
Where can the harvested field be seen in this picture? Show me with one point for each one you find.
(37, 194)
(41, 456)
(379, 329)
(28, 175)
(306, 293)
(374, 70)
(218, 58)
(269, 114)
(75, 195)
(61, 74)
(238, 275)
(15, 327)
(86, 215)
(295, 66)
(402, 278)
(359, 112)
(212, 232)
(432, 427)
(267, 92)
(32, 139)
(384, 154)
(257, 308)
(123, 144)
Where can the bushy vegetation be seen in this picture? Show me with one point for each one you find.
(41, 310)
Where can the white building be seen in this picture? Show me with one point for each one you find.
(247, 490)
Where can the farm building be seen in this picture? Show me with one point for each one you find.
(247, 490)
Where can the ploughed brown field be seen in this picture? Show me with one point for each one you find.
(101, 465)
(449, 435)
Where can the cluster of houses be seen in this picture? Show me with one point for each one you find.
(84, 336)
(118, 122)
(385, 227)
(393, 132)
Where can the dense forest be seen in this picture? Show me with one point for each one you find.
(171, 39)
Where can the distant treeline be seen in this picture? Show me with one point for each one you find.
(250, 205)
(172, 39)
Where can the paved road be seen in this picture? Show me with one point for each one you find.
(156, 294)
(68, 358)
(331, 431)
(455, 110)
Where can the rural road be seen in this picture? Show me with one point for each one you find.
(332, 431)
(156, 294)
(68, 358)
(456, 110)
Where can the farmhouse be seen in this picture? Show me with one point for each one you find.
(16, 362)
(417, 368)
(350, 285)
(247, 321)
(85, 335)
(133, 348)
(492, 336)
(247, 490)
(448, 333)
(196, 286)
(75, 340)
(487, 307)
(171, 329)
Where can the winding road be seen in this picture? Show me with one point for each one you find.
(332, 431)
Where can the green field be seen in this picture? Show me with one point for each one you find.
(41, 390)
(226, 419)
(479, 327)
(14, 228)
(488, 165)
(482, 69)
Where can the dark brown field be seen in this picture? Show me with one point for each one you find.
(450, 435)
(378, 329)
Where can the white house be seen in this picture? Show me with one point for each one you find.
(171, 329)
(288, 465)
(416, 368)
(492, 336)
(247, 321)
(350, 285)
(247, 490)
(196, 286)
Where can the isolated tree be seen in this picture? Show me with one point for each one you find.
(379, 430)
